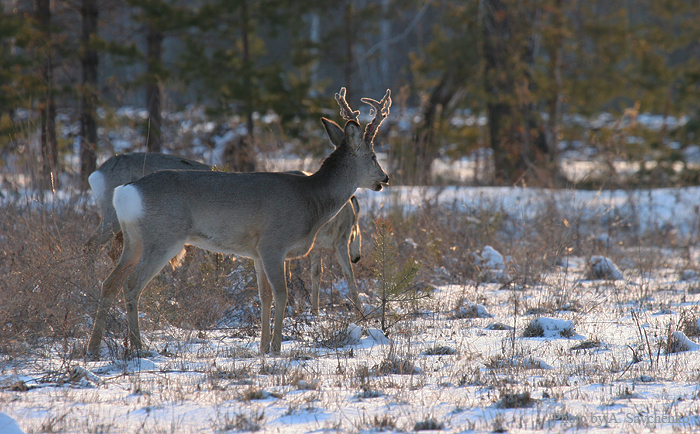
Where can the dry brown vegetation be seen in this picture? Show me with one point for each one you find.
(49, 289)
(201, 320)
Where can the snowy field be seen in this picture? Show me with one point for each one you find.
(601, 342)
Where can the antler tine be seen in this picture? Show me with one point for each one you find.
(381, 111)
(345, 111)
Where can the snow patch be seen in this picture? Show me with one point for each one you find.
(8, 425)
(492, 265)
(678, 342)
(377, 336)
(544, 327)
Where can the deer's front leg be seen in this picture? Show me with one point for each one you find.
(265, 293)
(316, 272)
(273, 266)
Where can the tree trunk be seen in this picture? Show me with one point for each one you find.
(240, 152)
(516, 136)
(154, 40)
(248, 69)
(417, 161)
(554, 97)
(498, 84)
(349, 41)
(88, 125)
(47, 107)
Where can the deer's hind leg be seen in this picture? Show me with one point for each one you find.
(155, 257)
(110, 288)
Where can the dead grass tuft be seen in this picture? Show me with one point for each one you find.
(395, 364)
(515, 400)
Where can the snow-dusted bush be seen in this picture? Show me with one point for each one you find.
(603, 268)
(544, 327)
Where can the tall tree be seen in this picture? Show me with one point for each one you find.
(10, 26)
(515, 130)
(248, 56)
(445, 71)
(89, 59)
(159, 19)
(154, 49)
(47, 105)
(553, 41)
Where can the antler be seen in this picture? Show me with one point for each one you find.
(345, 110)
(380, 109)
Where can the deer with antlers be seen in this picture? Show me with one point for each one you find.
(340, 235)
(264, 216)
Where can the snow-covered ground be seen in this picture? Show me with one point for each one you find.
(589, 345)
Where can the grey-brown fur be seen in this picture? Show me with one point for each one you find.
(342, 236)
(121, 169)
(268, 217)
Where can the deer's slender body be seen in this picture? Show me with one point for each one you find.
(340, 235)
(268, 217)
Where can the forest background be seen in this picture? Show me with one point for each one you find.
(516, 83)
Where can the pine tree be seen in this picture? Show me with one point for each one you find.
(88, 120)
(395, 280)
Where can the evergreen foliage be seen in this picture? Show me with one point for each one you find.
(530, 67)
(395, 280)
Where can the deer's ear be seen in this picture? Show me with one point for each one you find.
(335, 133)
(353, 135)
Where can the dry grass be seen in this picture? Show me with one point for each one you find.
(50, 290)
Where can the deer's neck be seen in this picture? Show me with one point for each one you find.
(334, 183)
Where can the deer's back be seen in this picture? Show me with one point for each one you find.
(231, 212)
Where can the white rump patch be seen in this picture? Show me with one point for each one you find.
(97, 184)
(128, 203)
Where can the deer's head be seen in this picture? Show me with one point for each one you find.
(361, 145)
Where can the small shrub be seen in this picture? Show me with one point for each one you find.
(383, 423)
(515, 400)
(439, 350)
(256, 393)
(301, 382)
(429, 425)
(587, 345)
(533, 330)
(690, 325)
(396, 280)
(243, 422)
(394, 364)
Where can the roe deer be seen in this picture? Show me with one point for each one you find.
(265, 216)
(342, 236)
(121, 169)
